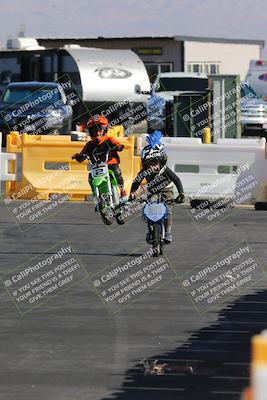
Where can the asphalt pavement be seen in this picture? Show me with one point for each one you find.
(72, 348)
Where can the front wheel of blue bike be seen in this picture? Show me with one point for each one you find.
(156, 240)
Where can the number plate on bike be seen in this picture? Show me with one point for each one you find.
(99, 170)
(155, 211)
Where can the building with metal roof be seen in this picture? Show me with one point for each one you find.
(178, 52)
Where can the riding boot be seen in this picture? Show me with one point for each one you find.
(168, 230)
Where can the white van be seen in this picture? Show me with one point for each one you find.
(257, 77)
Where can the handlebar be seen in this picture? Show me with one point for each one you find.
(87, 157)
(140, 200)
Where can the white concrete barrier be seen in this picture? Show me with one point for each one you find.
(208, 170)
(4, 161)
(184, 140)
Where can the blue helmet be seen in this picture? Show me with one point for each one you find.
(154, 150)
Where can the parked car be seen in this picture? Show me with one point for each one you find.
(35, 108)
(253, 112)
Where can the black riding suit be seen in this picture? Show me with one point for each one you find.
(160, 182)
(99, 147)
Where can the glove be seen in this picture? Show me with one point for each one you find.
(131, 197)
(180, 199)
(78, 157)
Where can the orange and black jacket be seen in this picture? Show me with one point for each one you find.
(98, 148)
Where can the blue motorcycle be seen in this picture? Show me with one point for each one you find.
(155, 214)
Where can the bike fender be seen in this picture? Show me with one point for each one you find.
(99, 181)
(113, 178)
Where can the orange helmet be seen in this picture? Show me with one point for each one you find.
(97, 125)
(97, 120)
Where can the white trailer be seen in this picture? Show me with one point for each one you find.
(107, 80)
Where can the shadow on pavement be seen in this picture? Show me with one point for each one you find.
(213, 364)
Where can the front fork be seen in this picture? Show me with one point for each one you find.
(97, 197)
(110, 192)
(163, 230)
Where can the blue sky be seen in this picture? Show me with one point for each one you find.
(245, 19)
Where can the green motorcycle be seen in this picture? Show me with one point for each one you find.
(106, 192)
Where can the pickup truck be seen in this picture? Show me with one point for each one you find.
(36, 108)
(253, 112)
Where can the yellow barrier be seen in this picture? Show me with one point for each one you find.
(14, 141)
(116, 131)
(207, 136)
(47, 167)
(247, 395)
(258, 374)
